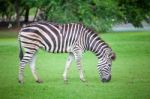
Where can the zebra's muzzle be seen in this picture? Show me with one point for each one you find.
(106, 79)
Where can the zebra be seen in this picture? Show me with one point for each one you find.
(72, 38)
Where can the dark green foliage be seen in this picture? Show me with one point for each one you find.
(6, 8)
(135, 11)
(99, 14)
(94, 13)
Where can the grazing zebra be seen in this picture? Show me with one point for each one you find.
(71, 38)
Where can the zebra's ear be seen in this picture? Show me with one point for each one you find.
(113, 56)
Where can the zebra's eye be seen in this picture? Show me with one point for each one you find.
(109, 65)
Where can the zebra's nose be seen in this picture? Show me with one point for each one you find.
(106, 79)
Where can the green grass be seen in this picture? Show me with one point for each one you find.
(130, 72)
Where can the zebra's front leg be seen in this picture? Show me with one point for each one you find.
(67, 66)
(78, 56)
(33, 70)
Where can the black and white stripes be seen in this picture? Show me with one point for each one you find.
(72, 38)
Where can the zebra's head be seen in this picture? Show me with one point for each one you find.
(105, 65)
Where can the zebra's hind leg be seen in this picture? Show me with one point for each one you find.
(21, 72)
(26, 59)
(67, 66)
(33, 70)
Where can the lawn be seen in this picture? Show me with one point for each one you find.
(130, 71)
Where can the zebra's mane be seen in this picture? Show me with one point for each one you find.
(93, 31)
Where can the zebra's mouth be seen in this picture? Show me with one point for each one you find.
(106, 79)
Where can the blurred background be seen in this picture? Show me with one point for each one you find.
(102, 15)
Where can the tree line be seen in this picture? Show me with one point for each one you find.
(99, 14)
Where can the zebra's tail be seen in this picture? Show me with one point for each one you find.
(20, 51)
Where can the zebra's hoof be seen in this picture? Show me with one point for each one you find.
(66, 81)
(39, 81)
(20, 81)
(83, 80)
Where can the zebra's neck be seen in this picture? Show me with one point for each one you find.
(98, 46)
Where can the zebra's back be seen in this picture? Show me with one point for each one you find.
(54, 38)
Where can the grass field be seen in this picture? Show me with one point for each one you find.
(130, 71)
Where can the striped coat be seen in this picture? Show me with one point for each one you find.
(71, 38)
